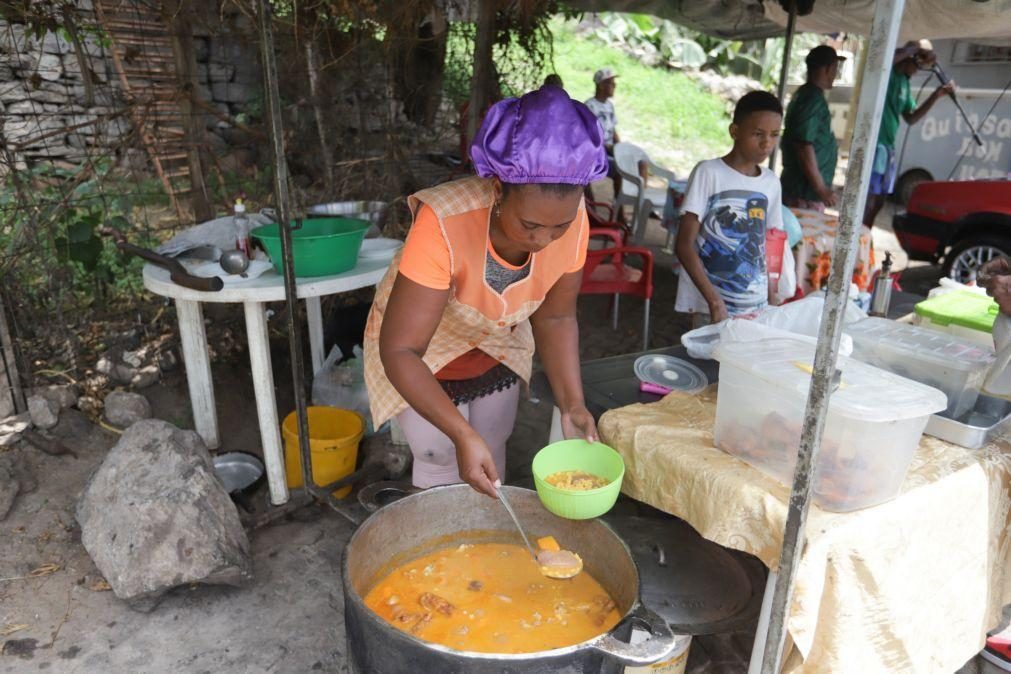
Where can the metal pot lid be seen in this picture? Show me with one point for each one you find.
(237, 470)
(670, 372)
(696, 585)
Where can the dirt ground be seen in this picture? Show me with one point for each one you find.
(57, 614)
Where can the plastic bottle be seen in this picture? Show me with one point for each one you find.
(241, 221)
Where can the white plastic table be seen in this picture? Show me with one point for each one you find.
(253, 295)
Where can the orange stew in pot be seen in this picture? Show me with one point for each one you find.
(491, 598)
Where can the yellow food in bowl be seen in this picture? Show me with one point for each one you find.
(491, 598)
(576, 480)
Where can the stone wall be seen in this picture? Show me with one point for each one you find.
(42, 90)
(45, 115)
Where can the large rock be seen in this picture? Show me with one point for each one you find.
(124, 409)
(44, 412)
(154, 517)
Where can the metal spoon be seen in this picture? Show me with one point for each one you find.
(234, 262)
(554, 564)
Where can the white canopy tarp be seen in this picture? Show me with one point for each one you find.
(988, 21)
(983, 21)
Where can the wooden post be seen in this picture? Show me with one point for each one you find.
(12, 397)
(880, 46)
(176, 14)
(851, 116)
(484, 69)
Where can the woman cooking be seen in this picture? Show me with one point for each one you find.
(491, 268)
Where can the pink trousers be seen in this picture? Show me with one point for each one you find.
(492, 416)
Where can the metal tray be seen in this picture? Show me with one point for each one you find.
(984, 423)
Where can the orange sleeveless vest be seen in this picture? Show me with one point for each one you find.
(476, 316)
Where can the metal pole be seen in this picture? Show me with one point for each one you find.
(784, 73)
(880, 46)
(272, 91)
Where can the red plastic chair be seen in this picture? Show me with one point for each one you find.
(598, 221)
(606, 273)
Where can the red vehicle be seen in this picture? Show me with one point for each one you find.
(962, 224)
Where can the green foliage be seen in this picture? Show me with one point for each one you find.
(681, 47)
(663, 111)
(50, 233)
(522, 54)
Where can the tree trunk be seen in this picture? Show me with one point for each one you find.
(176, 14)
(419, 59)
(484, 69)
(326, 152)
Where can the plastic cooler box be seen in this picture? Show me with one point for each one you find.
(955, 366)
(959, 313)
(874, 424)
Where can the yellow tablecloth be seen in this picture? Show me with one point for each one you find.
(911, 585)
(814, 253)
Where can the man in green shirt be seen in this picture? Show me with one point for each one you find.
(899, 103)
(810, 150)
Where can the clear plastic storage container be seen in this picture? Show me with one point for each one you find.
(955, 366)
(874, 423)
(961, 313)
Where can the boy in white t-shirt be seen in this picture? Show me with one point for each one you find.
(729, 204)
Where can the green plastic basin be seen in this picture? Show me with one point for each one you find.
(596, 458)
(321, 247)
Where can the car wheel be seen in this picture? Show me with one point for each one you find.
(908, 181)
(966, 257)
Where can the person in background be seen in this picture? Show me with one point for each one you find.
(602, 108)
(491, 268)
(554, 80)
(899, 104)
(810, 150)
(729, 204)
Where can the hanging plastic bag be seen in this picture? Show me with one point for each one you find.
(343, 385)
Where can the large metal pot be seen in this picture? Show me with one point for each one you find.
(436, 518)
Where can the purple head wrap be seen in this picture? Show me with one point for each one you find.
(543, 137)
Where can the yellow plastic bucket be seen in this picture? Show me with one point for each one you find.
(334, 435)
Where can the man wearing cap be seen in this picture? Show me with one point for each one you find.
(899, 103)
(809, 146)
(602, 108)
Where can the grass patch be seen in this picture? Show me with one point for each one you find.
(662, 111)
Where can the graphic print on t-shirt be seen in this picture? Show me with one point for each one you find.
(732, 247)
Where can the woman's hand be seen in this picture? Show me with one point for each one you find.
(477, 468)
(578, 423)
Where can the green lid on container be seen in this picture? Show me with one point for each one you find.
(967, 309)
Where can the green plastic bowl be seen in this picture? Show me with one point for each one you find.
(596, 458)
(321, 247)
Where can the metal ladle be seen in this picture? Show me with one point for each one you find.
(558, 564)
(234, 262)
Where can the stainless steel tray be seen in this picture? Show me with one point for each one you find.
(987, 421)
